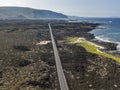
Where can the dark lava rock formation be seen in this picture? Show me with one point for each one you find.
(84, 70)
(24, 65)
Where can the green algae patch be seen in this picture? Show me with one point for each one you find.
(91, 47)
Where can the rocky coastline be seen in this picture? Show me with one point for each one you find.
(27, 58)
(85, 70)
(109, 47)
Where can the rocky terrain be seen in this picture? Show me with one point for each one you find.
(27, 59)
(84, 70)
(24, 65)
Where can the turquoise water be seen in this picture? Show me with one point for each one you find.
(110, 31)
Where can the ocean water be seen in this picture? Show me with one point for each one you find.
(109, 30)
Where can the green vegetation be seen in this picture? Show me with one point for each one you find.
(92, 48)
(72, 39)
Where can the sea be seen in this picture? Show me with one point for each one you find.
(108, 31)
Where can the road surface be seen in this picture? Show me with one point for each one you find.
(61, 76)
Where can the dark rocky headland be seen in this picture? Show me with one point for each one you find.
(27, 59)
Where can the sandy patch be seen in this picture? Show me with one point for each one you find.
(79, 40)
(43, 42)
(83, 39)
(100, 47)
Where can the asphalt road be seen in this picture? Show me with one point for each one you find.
(61, 76)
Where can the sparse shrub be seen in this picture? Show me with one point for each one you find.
(21, 48)
(0, 74)
(44, 82)
(24, 63)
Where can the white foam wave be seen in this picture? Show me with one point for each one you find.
(104, 39)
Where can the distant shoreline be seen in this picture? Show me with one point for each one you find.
(110, 46)
(105, 39)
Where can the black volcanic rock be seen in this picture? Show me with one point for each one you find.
(28, 13)
(21, 48)
(24, 63)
